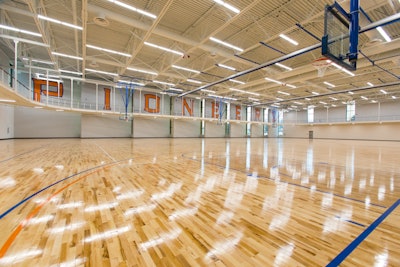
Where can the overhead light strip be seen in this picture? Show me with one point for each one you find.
(341, 68)
(19, 30)
(130, 82)
(223, 97)
(280, 83)
(208, 91)
(160, 82)
(187, 69)
(71, 72)
(108, 50)
(283, 66)
(226, 67)
(67, 56)
(143, 71)
(290, 40)
(102, 72)
(384, 34)
(60, 22)
(132, 8)
(164, 48)
(226, 44)
(236, 81)
(243, 91)
(228, 6)
(194, 81)
(329, 84)
(283, 93)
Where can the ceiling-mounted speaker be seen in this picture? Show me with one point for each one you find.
(101, 20)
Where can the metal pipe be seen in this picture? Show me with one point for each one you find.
(273, 48)
(373, 64)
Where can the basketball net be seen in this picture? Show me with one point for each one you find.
(321, 64)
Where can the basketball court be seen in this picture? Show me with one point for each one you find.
(136, 137)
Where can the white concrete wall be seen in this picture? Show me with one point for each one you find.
(6, 122)
(212, 129)
(238, 129)
(39, 123)
(257, 130)
(186, 128)
(151, 127)
(97, 126)
(363, 131)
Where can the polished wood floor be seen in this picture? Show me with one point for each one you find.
(199, 202)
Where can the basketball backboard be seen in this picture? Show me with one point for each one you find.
(336, 41)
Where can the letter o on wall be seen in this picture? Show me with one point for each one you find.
(151, 103)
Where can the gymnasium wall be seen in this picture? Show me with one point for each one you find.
(238, 129)
(97, 126)
(40, 123)
(151, 127)
(6, 122)
(186, 128)
(257, 130)
(212, 129)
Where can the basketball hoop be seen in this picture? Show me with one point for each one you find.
(321, 64)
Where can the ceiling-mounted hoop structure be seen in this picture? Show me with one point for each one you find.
(321, 64)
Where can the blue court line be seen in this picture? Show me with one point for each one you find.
(353, 245)
(16, 156)
(350, 221)
(53, 184)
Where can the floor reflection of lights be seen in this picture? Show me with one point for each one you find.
(19, 257)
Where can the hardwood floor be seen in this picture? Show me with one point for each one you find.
(199, 202)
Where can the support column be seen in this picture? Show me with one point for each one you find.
(15, 64)
(354, 28)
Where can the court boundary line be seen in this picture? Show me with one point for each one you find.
(360, 238)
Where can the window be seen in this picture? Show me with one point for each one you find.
(310, 114)
(351, 111)
(265, 119)
(248, 118)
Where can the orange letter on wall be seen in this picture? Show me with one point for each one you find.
(238, 110)
(258, 113)
(107, 94)
(214, 110)
(151, 103)
(185, 106)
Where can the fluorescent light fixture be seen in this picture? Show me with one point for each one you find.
(323, 103)
(283, 93)
(329, 84)
(308, 99)
(223, 97)
(102, 72)
(279, 99)
(276, 105)
(161, 82)
(226, 67)
(254, 99)
(298, 103)
(175, 89)
(65, 55)
(236, 81)
(243, 91)
(187, 69)
(333, 98)
(351, 93)
(384, 34)
(226, 44)
(130, 82)
(370, 84)
(228, 6)
(132, 8)
(344, 103)
(194, 81)
(333, 105)
(383, 91)
(394, 97)
(40, 61)
(274, 81)
(283, 66)
(208, 91)
(314, 93)
(19, 30)
(60, 22)
(373, 101)
(290, 40)
(289, 85)
(71, 72)
(143, 71)
(342, 69)
(365, 98)
(7, 100)
(164, 48)
(108, 50)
